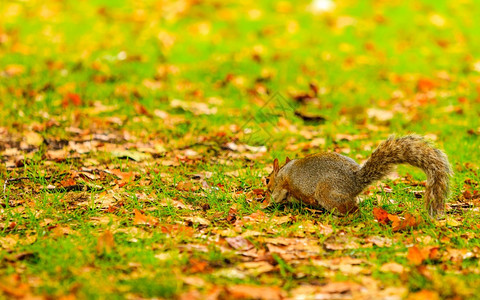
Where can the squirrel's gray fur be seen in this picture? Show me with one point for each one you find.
(333, 181)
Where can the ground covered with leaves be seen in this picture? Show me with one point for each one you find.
(134, 136)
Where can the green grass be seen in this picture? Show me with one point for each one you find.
(239, 68)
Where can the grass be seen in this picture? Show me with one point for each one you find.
(80, 80)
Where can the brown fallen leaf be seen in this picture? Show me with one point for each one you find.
(243, 291)
(257, 267)
(379, 241)
(239, 243)
(293, 248)
(141, 109)
(232, 215)
(197, 220)
(392, 267)
(340, 287)
(341, 242)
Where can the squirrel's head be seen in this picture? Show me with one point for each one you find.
(275, 192)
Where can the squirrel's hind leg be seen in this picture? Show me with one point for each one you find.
(334, 201)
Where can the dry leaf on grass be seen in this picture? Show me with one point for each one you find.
(141, 219)
(197, 220)
(105, 243)
(239, 243)
(242, 291)
(392, 267)
(417, 255)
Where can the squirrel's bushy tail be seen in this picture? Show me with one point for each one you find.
(413, 150)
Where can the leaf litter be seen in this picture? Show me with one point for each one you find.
(151, 189)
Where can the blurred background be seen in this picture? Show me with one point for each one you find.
(349, 66)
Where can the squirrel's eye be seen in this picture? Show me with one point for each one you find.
(267, 180)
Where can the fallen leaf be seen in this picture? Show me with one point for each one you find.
(340, 287)
(424, 294)
(71, 98)
(415, 256)
(392, 267)
(243, 291)
(14, 70)
(177, 230)
(257, 267)
(141, 219)
(8, 242)
(135, 155)
(105, 243)
(197, 108)
(197, 266)
(12, 286)
(380, 115)
(194, 281)
(408, 222)
(141, 109)
(197, 220)
(380, 215)
(379, 241)
(239, 243)
(33, 138)
(425, 85)
(341, 242)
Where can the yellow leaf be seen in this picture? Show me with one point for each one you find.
(33, 138)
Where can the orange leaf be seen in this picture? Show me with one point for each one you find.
(424, 294)
(140, 109)
(68, 182)
(415, 256)
(105, 242)
(197, 266)
(243, 291)
(381, 215)
(176, 230)
(141, 219)
(409, 222)
(425, 85)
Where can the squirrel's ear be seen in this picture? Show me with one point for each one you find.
(287, 160)
(275, 165)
